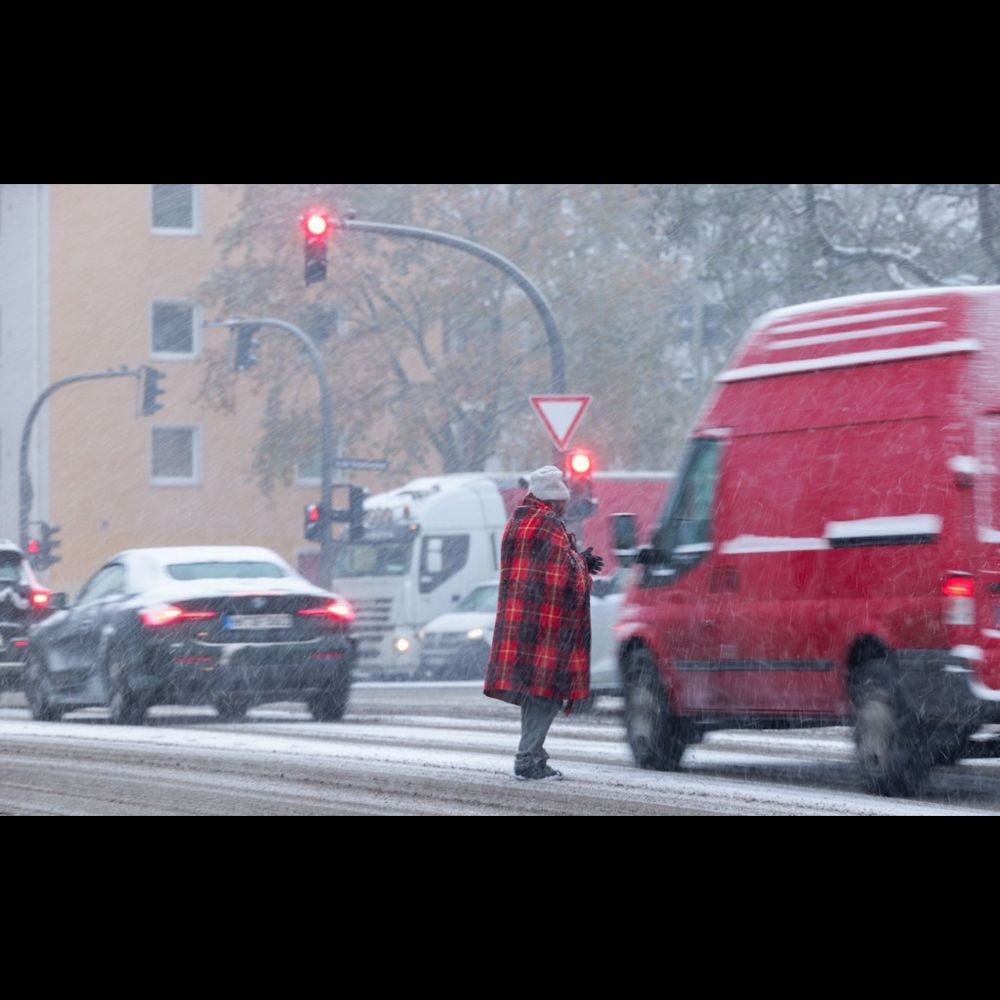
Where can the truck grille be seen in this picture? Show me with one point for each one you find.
(372, 623)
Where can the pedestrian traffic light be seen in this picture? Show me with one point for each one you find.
(316, 225)
(579, 468)
(41, 550)
(151, 378)
(314, 522)
(246, 347)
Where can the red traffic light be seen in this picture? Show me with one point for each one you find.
(32, 547)
(579, 463)
(317, 223)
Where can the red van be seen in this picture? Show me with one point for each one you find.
(830, 552)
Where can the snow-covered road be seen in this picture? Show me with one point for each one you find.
(432, 749)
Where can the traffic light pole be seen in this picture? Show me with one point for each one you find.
(556, 356)
(26, 492)
(326, 413)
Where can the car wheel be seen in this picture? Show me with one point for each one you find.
(331, 703)
(892, 756)
(656, 736)
(37, 690)
(232, 708)
(124, 706)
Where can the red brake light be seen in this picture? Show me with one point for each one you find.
(340, 610)
(167, 614)
(40, 598)
(959, 586)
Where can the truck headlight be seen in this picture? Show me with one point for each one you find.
(474, 633)
(401, 645)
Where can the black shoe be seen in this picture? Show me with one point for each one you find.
(537, 772)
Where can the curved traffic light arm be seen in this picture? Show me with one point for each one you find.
(26, 492)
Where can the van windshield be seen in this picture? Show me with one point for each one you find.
(372, 559)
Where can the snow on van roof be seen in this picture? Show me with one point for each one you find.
(857, 330)
(849, 301)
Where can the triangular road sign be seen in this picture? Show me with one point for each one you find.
(561, 415)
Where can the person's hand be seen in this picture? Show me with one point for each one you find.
(594, 563)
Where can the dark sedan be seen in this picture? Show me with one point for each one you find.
(231, 626)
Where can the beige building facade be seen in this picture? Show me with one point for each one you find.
(95, 277)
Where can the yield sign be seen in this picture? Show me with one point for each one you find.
(561, 415)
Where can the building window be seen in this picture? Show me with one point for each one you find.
(174, 330)
(176, 456)
(309, 468)
(175, 209)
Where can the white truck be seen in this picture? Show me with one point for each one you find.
(428, 543)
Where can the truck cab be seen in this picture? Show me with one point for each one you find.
(425, 545)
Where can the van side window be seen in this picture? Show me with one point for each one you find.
(441, 556)
(685, 531)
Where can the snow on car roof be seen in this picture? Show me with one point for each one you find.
(167, 554)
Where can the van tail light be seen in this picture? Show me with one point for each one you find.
(959, 592)
(169, 614)
(959, 585)
(339, 611)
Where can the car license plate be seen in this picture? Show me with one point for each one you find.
(258, 621)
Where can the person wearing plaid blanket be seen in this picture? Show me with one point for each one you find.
(540, 656)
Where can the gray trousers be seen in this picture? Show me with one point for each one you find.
(536, 717)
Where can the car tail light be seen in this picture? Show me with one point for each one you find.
(169, 614)
(40, 599)
(959, 592)
(338, 610)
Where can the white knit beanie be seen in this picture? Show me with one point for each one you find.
(547, 484)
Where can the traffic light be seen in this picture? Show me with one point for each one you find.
(151, 378)
(246, 347)
(356, 519)
(353, 513)
(41, 550)
(316, 225)
(314, 522)
(579, 467)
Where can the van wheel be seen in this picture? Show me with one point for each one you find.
(656, 736)
(890, 750)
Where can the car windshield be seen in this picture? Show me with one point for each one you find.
(218, 570)
(480, 599)
(372, 559)
(10, 568)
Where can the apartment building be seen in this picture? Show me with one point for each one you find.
(95, 277)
